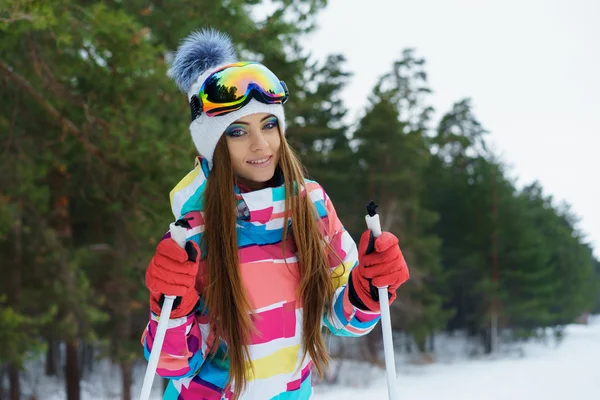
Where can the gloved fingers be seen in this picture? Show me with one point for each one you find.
(171, 290)
(160, 281)
(385, 241)
(386, 257)
(392, 281)
(168, 248)
(371, 271)
(166, 264)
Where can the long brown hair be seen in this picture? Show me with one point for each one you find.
(225, 296)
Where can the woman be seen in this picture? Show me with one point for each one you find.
(267, 262)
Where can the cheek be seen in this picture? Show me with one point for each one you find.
(275, 143)
(236, 151)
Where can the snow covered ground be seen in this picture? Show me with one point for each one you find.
(571, 370)
(536, 371)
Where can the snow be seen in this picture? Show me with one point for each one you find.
(571, 370)
(535, 370)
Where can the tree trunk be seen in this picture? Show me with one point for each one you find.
(495, 268)
(486, 339)
(72, 370)
(432, 343)
(61, 223)
(2, 372)
(408, 347)
(52, 356)
(421, 342)
(373, 344)
(13, 292)
(127, 380)
(14, 382)
(86, 359)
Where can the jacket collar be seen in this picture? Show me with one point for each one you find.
(188, 195)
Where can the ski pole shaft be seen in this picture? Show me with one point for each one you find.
(178, 235)
(374, 225)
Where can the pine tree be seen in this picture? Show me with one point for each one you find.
(465, 188)
(392, 155)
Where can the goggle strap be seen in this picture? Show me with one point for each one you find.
(195, 107)
(286, 91)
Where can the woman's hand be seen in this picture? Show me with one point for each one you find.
(385, 266)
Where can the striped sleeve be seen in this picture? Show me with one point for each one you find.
(187, 339)
(183, 350)
(342, 318)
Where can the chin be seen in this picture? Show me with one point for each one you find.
(262, 178)
(257, 176)
(252, 178)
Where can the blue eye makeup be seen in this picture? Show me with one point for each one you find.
(235, 130)
(270, 123)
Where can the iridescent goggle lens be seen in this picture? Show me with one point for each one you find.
(231, 87)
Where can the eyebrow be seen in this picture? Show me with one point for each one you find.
(246, 123)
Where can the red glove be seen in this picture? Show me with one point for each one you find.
(172, 271)
(385, 266)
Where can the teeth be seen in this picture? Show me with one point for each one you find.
(259, 161)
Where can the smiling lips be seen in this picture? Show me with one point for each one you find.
(261, 162)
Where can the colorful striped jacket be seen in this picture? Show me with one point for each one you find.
(275, 350)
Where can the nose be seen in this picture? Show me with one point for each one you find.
(258, 141)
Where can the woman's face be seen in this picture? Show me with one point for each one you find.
(253, 143)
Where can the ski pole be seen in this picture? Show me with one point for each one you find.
(374, 226)
(178, 234)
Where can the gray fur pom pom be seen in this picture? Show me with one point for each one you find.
(199, 52)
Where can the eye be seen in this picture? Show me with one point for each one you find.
(236, 132)
(271, 124)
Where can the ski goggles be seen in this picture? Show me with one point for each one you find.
(233, 86)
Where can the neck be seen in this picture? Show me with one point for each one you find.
(246, 184)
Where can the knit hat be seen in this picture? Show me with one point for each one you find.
(199, 55)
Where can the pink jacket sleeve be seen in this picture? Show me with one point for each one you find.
(342, 317)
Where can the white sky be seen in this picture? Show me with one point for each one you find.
(531, 68)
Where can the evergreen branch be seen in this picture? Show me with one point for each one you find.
(17, 17)
(43, 71)
(11, 129)
(53, 112)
